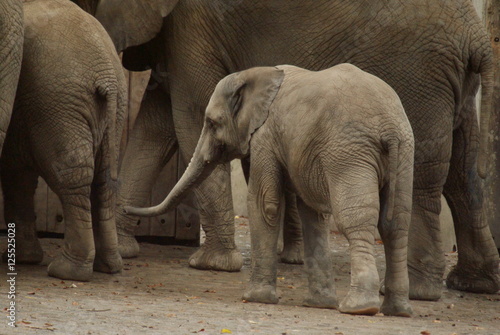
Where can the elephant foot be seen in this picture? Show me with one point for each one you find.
(421, 288)
(108, 263)
(63, 268)
(220, 260)
(477, 280)
(292, 254)
(27, 252)
(396, 307)
(265, 294)
(321, 301)
(425, 288)
(360, 303)
(127, 245)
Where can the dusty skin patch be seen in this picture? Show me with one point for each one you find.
(157, 293)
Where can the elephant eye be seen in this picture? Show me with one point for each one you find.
(211, 123)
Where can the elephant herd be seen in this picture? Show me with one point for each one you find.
(332, 139)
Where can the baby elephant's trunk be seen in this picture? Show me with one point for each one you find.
(198, 169)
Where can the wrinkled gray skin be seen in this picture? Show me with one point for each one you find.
(11, 52)
(349, 130)
(66, 127)
(431, 52)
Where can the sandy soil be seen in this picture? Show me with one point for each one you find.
(157, 293)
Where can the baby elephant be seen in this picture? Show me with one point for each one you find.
(341, 140)
(66, 127)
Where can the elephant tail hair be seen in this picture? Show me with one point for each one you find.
(393, 148)
(111, 96)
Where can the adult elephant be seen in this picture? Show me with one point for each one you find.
(11, 52)
(431, 52)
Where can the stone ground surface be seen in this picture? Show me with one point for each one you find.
(157, 293)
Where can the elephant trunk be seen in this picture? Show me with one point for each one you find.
(201, 166)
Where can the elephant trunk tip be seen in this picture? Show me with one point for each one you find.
(145, 212)
(129, 210)
(126, 209)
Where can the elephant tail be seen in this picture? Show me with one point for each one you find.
(393, 148)
(483, 63)
(110, 94)
(486, 119)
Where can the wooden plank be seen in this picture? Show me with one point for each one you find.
(41, 205)
(55, 217)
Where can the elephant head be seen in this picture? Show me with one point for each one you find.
(133, 22)
(238, 107)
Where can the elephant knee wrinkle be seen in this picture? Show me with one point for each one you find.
(271, 212)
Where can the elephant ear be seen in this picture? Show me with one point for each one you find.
(254, 91)
(133, 22)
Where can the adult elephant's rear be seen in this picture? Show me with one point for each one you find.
(11, 51)
(430, 51)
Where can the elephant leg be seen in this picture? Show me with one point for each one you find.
(265, 205)
(358, 217)
(19, 185)
(478, 265)
(151, 144)
(292, 227)
(317, 259)
(426, 263)
(214, 201)
(219, 251)
(77, 257)
(394, 235)
(292, 232)
(491, 210)
(433, 131)
(69, 171)
(103, 200)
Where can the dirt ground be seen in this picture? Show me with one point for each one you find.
(157, 293)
